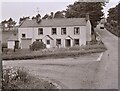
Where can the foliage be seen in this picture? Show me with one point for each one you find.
(15, 79)
(112, 14)
(23, 18)
(13, 75)
(113, 20)
(10, 23)
(80, 9)
(59, 14)
(45, 17)
(37, 45)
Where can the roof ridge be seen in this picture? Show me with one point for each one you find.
(55, 22)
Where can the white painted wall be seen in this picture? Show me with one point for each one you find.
(11, 44)
(33, 33)
(88, 31)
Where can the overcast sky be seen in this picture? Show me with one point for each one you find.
(20, 8)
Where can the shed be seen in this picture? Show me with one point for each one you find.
(13, 42)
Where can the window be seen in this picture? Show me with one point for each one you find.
(63, 31)
(48, 42)
(76, 41)
(76, 30)
(23, 35)
(58, 42)
(40, 31)
(54, 31)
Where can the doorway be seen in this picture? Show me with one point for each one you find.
(67, 43)
(16, 44)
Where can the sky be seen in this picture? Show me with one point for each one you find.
(19, 8)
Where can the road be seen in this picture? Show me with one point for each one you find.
(107, 77)
(80, 72)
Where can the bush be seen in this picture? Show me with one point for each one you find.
(37, 45)
(17, 79)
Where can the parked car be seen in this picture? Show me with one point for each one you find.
(101, 26)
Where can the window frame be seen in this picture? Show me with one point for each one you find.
(54, 31)
(40, 31)
(76, 29)
(76, 43)
(57, 42)
(63, 31)
(48, 43)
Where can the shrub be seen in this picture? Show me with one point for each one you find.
(17, 79)
(13, 75)
(37, 45)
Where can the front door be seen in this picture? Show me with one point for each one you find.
(16, 44)
(68, 43)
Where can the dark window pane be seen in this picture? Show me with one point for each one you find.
(48, 41)
(23, 36)
(40, 31)
(58, 41)
(76, 41)
(63, 31)
(76, 30)
(54, 31)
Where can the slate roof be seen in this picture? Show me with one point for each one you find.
(54, 22)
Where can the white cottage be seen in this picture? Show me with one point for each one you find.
(66, 32)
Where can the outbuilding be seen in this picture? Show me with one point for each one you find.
(13, 42)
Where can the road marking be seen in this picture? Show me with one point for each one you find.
(99, 58)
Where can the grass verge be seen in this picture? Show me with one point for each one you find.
(54, 52)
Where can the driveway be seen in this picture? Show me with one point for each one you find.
(83, 72)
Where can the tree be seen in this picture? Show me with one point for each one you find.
(51, 16)
(80, 9)
(3, 24)
(59, 14)
(46, 16)
(23, 19)
(11, 23)
(112, 14)
(38, 18)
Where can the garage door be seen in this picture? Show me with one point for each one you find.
(25, 43)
